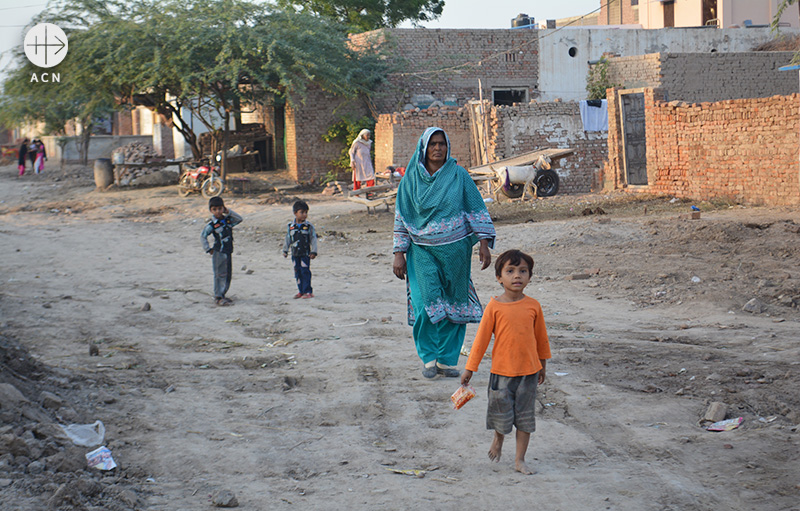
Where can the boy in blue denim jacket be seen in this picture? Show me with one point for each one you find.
(221, 227)
(302, 240)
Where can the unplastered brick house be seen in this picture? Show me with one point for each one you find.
(705, 126)
(532, 81)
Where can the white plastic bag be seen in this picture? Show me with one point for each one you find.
(86, 435)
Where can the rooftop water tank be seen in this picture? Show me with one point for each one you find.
(522, 20)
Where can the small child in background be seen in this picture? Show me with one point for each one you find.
(221, 226)
(23, 152)
(519, 356)
(41, 156)
(302, 240)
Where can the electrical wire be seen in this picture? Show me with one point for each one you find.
(21, 7)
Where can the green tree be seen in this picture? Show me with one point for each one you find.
(208, 58)
(343, 132)
(363, 15)
(782, 6)
(77, 97)
(597, 80)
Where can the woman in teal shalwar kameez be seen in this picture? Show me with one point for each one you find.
(439, 216)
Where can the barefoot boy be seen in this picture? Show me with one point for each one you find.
(221, 226)
(519, 356)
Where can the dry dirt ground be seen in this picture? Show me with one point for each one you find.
(310, 404)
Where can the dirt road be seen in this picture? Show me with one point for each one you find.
(310, 404)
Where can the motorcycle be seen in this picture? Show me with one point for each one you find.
(204, 179)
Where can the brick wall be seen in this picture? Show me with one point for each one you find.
(531, 126)
(701, 77)
(745, 150)
(397, 134)
(307, 154)
(512, 130)
(510, 59)
(616, 12)
(123, 123)
(637, 71)
(614, 168)
(162, 136)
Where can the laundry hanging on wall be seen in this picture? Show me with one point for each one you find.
(594, 114)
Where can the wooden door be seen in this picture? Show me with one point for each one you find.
(634, 141)
(669, 14)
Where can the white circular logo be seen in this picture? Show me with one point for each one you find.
(46, 45)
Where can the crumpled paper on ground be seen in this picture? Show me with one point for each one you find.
(101, 459)
(725, 425)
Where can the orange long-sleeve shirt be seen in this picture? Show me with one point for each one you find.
(520, 338)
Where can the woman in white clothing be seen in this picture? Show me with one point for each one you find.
(360, 160)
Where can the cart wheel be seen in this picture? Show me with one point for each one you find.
(184, 185)
(212, 187)
(513, 191)
(546, 183)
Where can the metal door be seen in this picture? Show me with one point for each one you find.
(634, 140)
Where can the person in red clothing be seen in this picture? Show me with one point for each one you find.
(519, 356)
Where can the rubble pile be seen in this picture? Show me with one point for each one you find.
(40, 467)
(134, 153)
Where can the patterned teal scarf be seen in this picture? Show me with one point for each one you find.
(438, 209)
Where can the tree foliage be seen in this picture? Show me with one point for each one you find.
(210, 57)
(363, 15)
(76, 97)
(597, 80)
(343, 132)
(782, 6)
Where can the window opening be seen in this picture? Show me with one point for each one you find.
(508, 97)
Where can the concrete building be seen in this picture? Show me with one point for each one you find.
(564, 55)
(655, 14)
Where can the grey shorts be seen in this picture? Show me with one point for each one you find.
(512, 402)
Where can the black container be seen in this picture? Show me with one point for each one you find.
(522, 20)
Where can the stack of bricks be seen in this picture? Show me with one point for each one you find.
(742, 150)
(527, 127)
